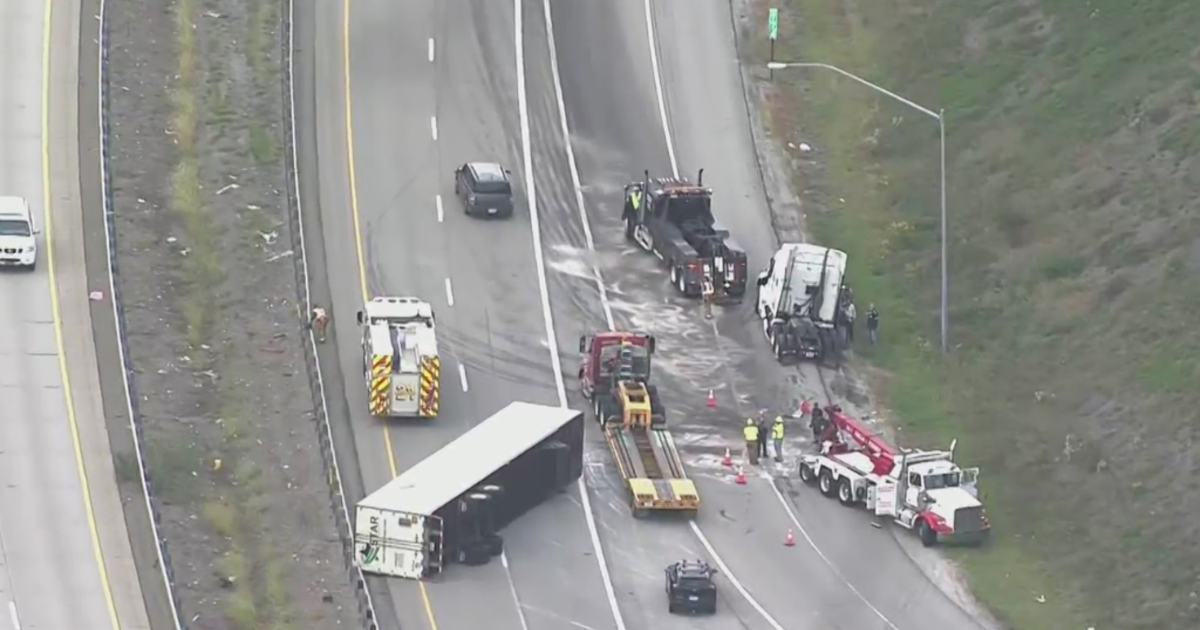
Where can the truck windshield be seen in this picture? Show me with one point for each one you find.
(943, 480)
(14, 227)
(689, 208)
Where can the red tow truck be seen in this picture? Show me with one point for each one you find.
(920, 490)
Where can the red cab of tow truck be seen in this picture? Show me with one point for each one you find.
(603, 346)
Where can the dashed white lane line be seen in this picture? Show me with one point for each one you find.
(462, 376)
(433, 126)
(12, 614)
(833, 568)
(431, 50)
(437, 201)
(449, 293)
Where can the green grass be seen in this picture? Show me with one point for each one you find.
(1072, 130)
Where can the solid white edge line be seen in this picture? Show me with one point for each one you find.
(431, 49)
(732, 580)
(101, 41)
(658, 88)
(12, 614)
(832, 567)
(547, 315)
(573, 167)
(462, 376)
(312, 340)
(433, 126)
(449, 293)
(437, 201)
(512, 588)
(604, 301)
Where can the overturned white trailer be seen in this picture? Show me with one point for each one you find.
(450, 506)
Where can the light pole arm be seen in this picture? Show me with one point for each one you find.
(780, 65)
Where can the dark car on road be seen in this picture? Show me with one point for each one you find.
(690, 587)
(484, 189)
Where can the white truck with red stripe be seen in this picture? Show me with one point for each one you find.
(920, 490)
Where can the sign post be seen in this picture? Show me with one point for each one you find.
(773, 34)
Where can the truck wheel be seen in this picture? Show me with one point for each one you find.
(629, 229)
(807, 475)
(680, 286)
(495, 545)
(674, 274)
(777, 348)
(928, 536)
(671, 608)
(825, 483)
(845, 492)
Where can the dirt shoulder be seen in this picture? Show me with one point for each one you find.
(210, 302)
(1072, 165)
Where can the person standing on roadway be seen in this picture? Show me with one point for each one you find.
(817, 423)
(851, 315)
(750, 433)
(764, 429)
(777, 438)
(707, 293)
(318, 322)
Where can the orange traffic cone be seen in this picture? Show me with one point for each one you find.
(712, 400)
(790, 541)
(727, 461)
(741, 477)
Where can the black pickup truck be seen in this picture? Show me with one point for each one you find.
(672, 219)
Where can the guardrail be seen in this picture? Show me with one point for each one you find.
(135, 417)
(337, 493)
(296, 223)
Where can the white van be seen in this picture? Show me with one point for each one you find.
(18, 237)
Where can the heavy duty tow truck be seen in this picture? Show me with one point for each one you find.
(797, 300)
(400, 357)
(615, 376)
(921, 490)
(672, 219)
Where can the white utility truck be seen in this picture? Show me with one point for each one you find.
(400, 357)
(921, 490)
(450, 506)
(799, 295)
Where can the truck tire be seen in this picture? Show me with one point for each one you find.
(845, 492)
(806, 474)
(629, 229)
(826, 484)
(658, 412)
(474, 555)
(926, 533)
(675, 279)
(495, 545)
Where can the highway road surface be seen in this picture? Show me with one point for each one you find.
(65, 559)
(431, 85)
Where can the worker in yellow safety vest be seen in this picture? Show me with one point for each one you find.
(777, 438)
(751, 435)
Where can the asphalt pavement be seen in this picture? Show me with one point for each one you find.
(65, 560)
(435, 84)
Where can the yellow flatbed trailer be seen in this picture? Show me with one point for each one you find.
(647, 459)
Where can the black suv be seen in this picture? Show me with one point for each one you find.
(690, 588)
(484, 188)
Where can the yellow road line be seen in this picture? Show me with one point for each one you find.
(56, 316)
(358, 248)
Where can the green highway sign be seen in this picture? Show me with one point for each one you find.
(773, 24)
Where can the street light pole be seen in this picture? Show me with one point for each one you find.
(940, 117)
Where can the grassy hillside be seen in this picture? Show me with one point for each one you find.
(1074, 129)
